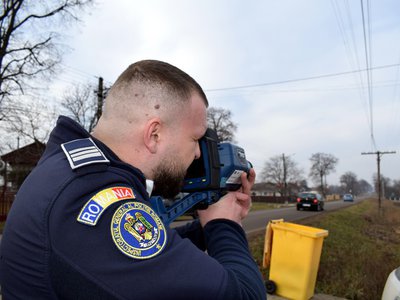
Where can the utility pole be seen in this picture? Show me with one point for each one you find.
(100, 95)
(284, 174)
(378, 159)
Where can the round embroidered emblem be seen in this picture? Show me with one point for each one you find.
(137, 231)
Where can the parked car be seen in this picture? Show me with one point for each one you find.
(348, 197)
(310, 200)
(392, 286)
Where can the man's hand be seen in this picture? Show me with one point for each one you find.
(233, 206)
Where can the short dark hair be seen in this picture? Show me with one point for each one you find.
(162, 74)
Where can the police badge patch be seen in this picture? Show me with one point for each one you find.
(137, 231)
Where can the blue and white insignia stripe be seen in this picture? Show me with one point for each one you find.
(83, 152)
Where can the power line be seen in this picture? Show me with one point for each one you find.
(85, 74)
(299, 79)
(367, 50)
(352, 51)
(330, 88)
(79, 72)
(395, 107)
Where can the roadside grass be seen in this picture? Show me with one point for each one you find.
(361, 250)
(262, 206)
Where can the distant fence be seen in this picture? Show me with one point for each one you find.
(333, 197)
(6, 200)
(292, 199)
(273, 199)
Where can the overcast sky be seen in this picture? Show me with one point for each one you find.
(283, 68)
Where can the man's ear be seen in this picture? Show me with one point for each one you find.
(151, 134)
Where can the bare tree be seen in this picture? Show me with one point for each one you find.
(219, 119)
(80, 103)
(349, 182)
(322, 164)
(364, 187)
(385, 183)
(27, 47)
(282, 171)
(395, 190)
(24, 125)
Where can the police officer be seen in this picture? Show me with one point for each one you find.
(82, 227)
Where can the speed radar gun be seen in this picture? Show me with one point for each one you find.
(208, 178)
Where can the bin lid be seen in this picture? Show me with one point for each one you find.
(308, 231)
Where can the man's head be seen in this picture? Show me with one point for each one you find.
(153, 117)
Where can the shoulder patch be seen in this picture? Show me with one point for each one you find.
(95, 207)
(137, 231)
(83, 152)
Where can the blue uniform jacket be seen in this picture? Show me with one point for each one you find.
(82, 228)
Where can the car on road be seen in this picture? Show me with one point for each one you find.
(310, 200)
(348, 197)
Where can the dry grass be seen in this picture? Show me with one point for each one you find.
(361, 250)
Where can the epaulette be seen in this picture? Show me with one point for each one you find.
(83, 152)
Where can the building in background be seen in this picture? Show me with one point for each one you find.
(14, 167)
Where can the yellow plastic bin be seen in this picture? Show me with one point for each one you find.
(293, 252)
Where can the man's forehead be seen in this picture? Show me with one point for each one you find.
(201, 127)
(204, 124)
(199, 112)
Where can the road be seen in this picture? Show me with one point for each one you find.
(257, 220)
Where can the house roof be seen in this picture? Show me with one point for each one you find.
(28, 155)
(263, 186)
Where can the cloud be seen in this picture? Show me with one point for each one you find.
(234, 43)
